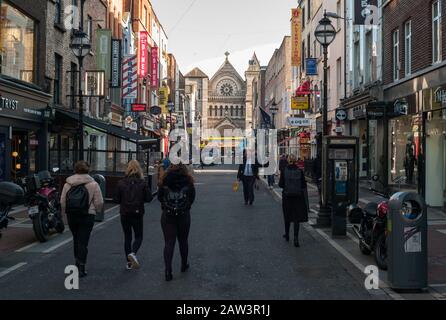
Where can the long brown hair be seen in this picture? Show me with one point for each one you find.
(134, 170)
(179, 169)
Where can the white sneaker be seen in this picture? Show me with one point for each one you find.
(128, 266)
(133, 260)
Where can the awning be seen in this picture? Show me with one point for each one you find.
(112, 130)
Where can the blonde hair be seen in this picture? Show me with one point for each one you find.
(292, 159)
(134, 169)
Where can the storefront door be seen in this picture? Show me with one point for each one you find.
(20, 155)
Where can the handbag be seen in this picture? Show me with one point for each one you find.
(235, 186)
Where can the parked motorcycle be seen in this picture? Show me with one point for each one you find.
(10, 195)
(370, 226)
(43, 201)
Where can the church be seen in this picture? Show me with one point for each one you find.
(226, 100)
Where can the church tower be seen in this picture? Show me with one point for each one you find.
(252, 76)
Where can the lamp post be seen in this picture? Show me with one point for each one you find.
(274, 109)
(325, 34)
(81, 47)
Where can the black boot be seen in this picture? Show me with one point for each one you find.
(82, 272)
(286, 237)
(169, 276)
(296, 242)
(184, 267)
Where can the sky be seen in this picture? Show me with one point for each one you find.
(201, 31)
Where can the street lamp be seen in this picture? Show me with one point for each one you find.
(325, 34)
(171, 108)
(81, 47)
(274, 109)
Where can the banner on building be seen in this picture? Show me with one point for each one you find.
(130, 77)
(143, 54)
(366, 12)
(299, 103)
(296, 37)
(154, 68)
(103, 51)
(116, 64)
(164, 98)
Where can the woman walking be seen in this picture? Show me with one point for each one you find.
(294, 198)
(81, 199)
(132, 193)
(176, 195)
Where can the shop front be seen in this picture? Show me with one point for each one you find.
(23, 133)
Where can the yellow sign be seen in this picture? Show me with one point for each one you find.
(164, 99)
(296, 37)
(299, 103)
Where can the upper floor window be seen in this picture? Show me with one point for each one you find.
(396, 54)
(408, 47)
(436, 31)
(17, 38)
(58, 12)
(90, 28)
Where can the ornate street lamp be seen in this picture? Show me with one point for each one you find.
(274, 109)
(325, 34)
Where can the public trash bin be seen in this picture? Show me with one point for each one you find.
(407, 242)
(100, 179)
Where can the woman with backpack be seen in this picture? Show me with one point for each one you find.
(294, 198)
(176, 195)
(132, 193)
(81, 199)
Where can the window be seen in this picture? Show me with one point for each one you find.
(303, 16)
(309, 10)
(369, 57)
(339, 78)
(357, 64)
(436, 31)
(396, 55)
(58, 12)
(73, 77)
(17, 35)
(339, 13)
(90, 28)
(146, 25)
(408, 47)
(308, 46)
(57, 78)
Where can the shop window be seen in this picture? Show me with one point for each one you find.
(17, 35)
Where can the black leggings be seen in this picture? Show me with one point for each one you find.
(129, 223)
(173, 228)
(81, 227)
(288, 226)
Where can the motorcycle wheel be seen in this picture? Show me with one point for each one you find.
(41, 227)
(381, 252)
(364, 249)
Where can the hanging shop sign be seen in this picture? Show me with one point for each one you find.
(311, 66)
(154, 68)
(164, 98)
(299, 103)
(138, 107)
(148, 124)
(130, 77)
(143, 54)
(365, 11)
(299, 122)
(296, 37)
(155, 111)
(103, 48)
(116, 64)
(400, 107)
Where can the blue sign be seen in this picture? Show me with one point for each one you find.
(311, 66)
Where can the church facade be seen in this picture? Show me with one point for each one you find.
(226, 99)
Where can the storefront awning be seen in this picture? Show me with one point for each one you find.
(112, 130)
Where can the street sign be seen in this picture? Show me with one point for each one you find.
(311, 66)
(299, 103)
(341, 115)
(299, 122)
(138, 107)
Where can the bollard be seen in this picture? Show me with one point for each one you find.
(407, 242)
(100, 179)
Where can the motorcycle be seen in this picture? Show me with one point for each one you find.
(370, 226)
(43, 201)
(10, 195)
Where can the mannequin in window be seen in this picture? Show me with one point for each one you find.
(409, 160)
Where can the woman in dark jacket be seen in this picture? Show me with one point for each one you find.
(176, 195)
(294, 198)
(132, 193)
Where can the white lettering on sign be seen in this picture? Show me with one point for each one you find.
(299, 122)
(6, 103)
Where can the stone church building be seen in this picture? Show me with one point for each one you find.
(224, 101)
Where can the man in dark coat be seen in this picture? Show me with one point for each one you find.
(248, 174)
(294, 198)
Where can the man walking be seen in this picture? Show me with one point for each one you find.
(248, 174)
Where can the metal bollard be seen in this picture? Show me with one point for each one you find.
(100, 179)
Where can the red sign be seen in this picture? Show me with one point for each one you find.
(154, 68)
(143, 54)
(138, 107)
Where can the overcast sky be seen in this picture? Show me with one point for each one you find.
(201, 31)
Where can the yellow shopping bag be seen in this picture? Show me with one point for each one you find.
(235, 186)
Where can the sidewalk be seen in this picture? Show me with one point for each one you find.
(348, 246)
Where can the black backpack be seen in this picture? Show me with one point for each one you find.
(176, 202)
(134, 197)
(77, 201)
(293, 182)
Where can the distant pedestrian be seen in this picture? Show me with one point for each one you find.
(81, 199)
(294, 198)
(248, 174)
(176, 195)
(132, 193)
(283, 162)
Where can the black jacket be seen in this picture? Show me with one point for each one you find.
(295, 208)
(123, 195)
(176, 182)
(241, 170)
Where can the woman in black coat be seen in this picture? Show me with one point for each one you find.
(294, 198)
(176, 195)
